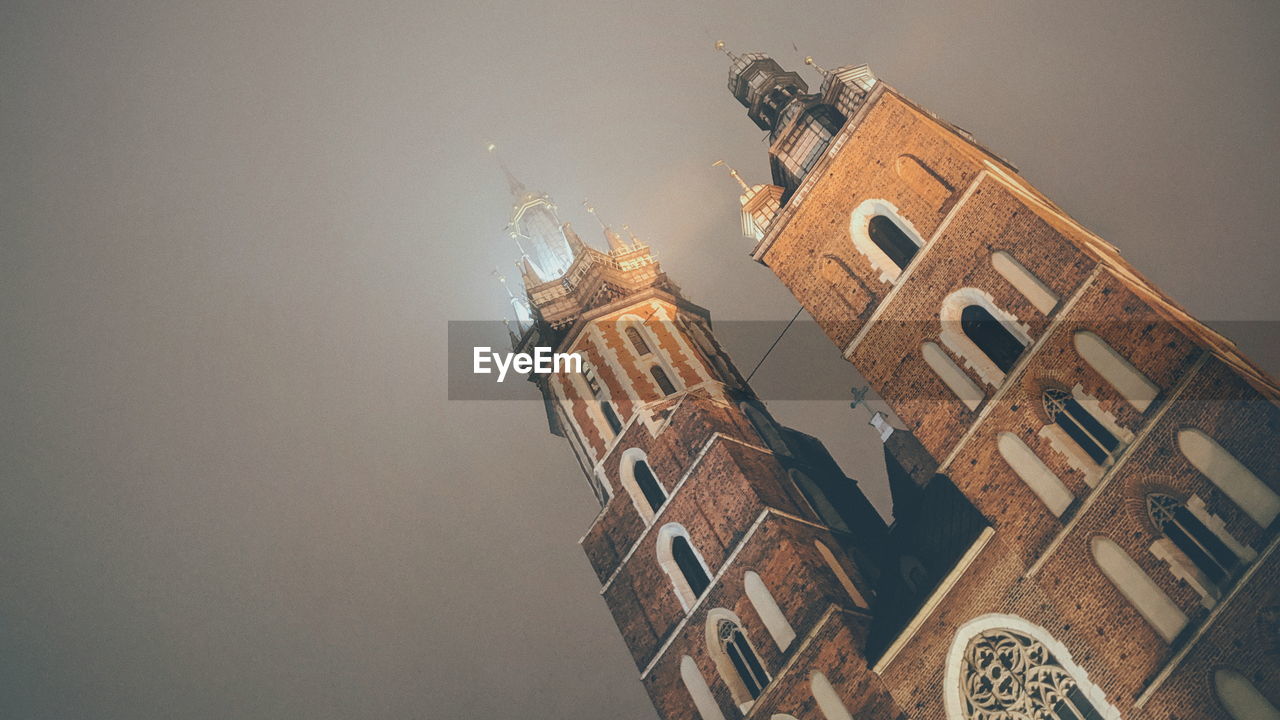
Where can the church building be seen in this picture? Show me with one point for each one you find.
(1084, 477)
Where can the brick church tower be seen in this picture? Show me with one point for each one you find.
(1086, 479)
(737, 559)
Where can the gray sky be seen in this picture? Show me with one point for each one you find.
(231, 235)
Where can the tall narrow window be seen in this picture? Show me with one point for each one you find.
(734, 644)
(1082, 427)
(683, 565)
(894, 243)
(638, 341)
(767, 608)
(991, 336)
(690, 566)
(829, 702)
(703, 700)
(818, 501)
(664, 382)
(1132, 385)
(1230, 476)
(1196, 541)
(1241, 698)
(649, 485)
(610, 416)
(1024, 461)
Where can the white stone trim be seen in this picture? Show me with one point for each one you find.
(859, 224)
(828, 700)
(1218, 526)
(1229, 475)
(1031, 469)
(957, 342)
(666, 560)
(1132, 582)
(724, 666)
(775, 621)
(952, 376)
(1116, 369)
(955, 662)
(703, 700)
(1241, 698)
(1024, 281)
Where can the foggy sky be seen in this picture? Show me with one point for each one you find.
(231, 235)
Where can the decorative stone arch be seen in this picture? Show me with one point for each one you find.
(1241, 698)
(1024, 281)
(1062, 443)
(627, 462)
(1131, 581)
(954, 679)
(724, 665)
(1031, 469)
(767, 608)
(959, 343)
(952, 375)
(1230, 476)
(668, 536)
(828, 699)
(696, 684)
(1116, 369)
(859, 232)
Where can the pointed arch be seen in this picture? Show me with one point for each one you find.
(1031, 469)
(637, 477)
(766, 427)
(952, 376)
(735, 657)
(767, 608)
(884, 237)
(690, 577)
(696, 684)
(1024, 281)
(1002, 666)
(828, 700)
(664, 382)
(1090, 435)
(1229, 475)
(1138, 588)
(1241, 698)
(1116, 369)
(638, 342)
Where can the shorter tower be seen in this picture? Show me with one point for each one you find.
(736, 558)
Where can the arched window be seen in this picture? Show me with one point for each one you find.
(1079, 425)
(688, 573)
(892, 241)
(1241, 698)
(736, 660)
(1205, 549)
(664, 382)
(765, 427)
(1138, 588)
(991, 336)
(883, 237)
(638, 341)
(610, 416)
(1007, 674)
(1001, 667)
(1230, 476)
(696, 684)
(828, 700)
(767, 608)
(1028, 466)
(1116, 369)
(640, 482)
(818, 501)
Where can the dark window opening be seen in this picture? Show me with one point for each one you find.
(1190, 535)
(649, 486)
(744, 659)
(638, 341)
(664, 382)
(991, 336)
(610, 416)
(1080, 425)
(892, 241)
(687, 560)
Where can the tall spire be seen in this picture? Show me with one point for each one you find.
(517, 188)
(616, 244)
(734, 173)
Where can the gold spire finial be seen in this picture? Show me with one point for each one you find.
(517, 188)
(734, 173)
(808, 60)
(720, 47)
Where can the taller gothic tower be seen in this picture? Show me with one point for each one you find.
(1122, 455)
(740, 563)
